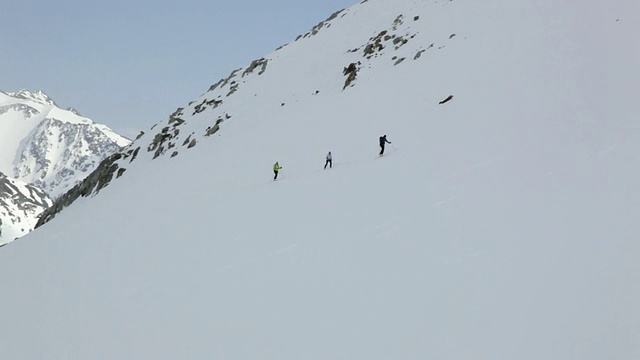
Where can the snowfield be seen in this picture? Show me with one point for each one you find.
(502, 224)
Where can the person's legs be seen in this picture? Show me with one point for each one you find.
(275, 174)
(381, 149)
(330, 163)
(326, 163)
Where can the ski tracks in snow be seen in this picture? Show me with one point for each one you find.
(439, 183)
(387, 230)
(446, 201)
(466, 258)
(285, 249)
(474, 167)
(255, 258)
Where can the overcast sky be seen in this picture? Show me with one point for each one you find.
(129, 64)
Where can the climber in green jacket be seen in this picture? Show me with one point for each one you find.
(276, 168)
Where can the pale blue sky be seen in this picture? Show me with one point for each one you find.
(129, 64)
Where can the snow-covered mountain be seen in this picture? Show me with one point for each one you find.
(47, 147)
(501, 222)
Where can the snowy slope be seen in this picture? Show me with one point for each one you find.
(499, 225)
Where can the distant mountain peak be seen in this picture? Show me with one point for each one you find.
(45, 150)
(38, 96)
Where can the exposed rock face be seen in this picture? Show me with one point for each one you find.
(20, 206)
(446, 99)
(351, 72)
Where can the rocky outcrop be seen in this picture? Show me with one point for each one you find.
(92, 184)
(351, 72)
(20, 205)
(323, 24)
